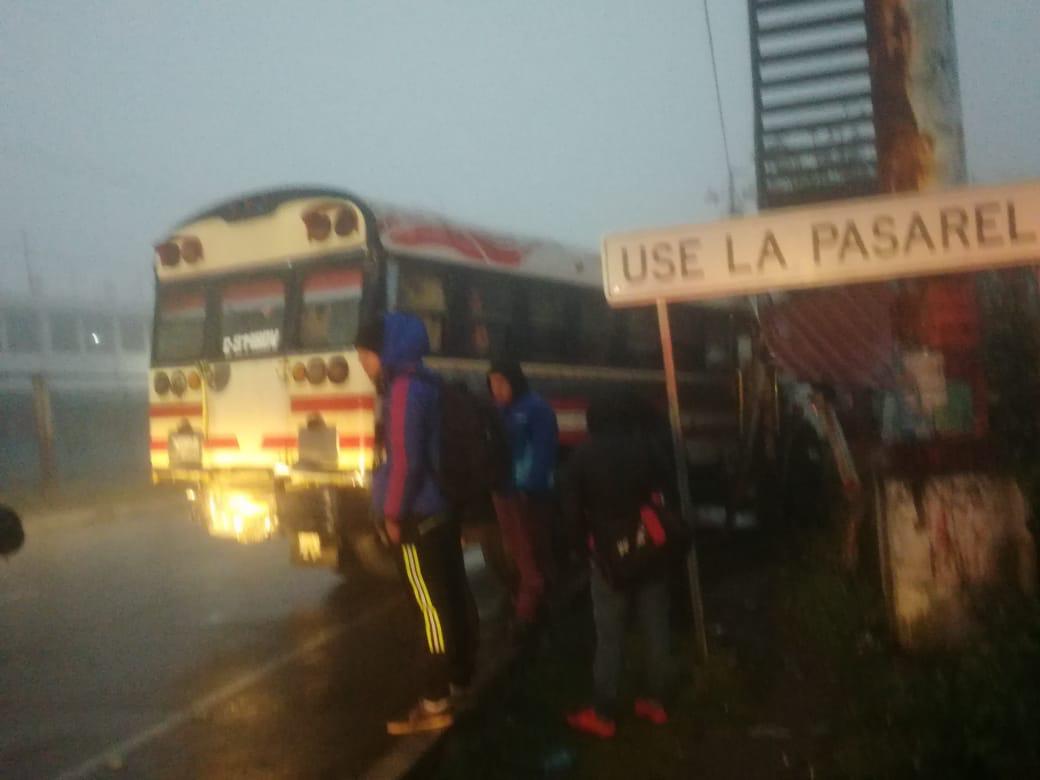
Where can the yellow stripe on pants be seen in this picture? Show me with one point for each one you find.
(436, 618)
(434, 634)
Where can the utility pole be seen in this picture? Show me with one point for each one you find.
(43, 415)
(31, 278)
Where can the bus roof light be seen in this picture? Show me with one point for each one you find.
(191, 250)
(318, 225)
(169, 253)
(346, 221)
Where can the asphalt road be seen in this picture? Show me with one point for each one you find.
(133, 645)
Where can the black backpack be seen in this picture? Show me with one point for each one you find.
(638, 545)
(475, 457)
(635, 540)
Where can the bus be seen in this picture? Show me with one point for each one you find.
(258, 406)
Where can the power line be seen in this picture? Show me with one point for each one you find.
(722, 117)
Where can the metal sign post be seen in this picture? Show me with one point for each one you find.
(683, 478)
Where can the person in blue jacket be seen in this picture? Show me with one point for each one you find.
(534, 438)
(415, 515)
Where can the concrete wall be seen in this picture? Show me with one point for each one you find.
(100, 435)
(94, 360)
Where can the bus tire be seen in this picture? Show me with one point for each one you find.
(360, 548)
(365, 552)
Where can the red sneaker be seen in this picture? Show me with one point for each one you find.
(588, 721)
(650, 710)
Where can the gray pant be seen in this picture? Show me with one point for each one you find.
(610, 609)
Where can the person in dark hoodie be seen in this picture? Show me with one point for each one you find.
(415, 515)
(610, 477)
(524, 503)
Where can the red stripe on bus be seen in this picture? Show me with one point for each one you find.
(175, 410)
(279, 442)
(333, 403)
(252, 291)
(182, 303)
(367, 442)
(570, 438)
(222, 443)
(332, 280)
(215, 443)
(290, 442)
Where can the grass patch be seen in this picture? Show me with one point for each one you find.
(967, 714)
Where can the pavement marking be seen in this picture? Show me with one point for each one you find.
(117, 753)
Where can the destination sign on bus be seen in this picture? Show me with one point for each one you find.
(839, 243)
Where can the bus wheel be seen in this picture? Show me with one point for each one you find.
(360, 548)
(365, 550)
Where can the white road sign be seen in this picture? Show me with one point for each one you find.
(841, 242)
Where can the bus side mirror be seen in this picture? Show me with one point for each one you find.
(12, 535)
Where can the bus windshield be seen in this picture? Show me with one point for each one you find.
(330, 308)
(180, 325)
(247, 315)
(252, 315)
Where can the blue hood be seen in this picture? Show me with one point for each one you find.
(405, 342)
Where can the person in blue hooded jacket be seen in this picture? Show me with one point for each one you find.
(414, 512)
(534, 435)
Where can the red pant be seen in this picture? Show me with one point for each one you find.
(519, 537)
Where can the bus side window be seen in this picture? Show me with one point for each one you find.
(548, 334)
(420, 291)
(596, 325)
(687, 337)
(490, 305)
(180, 327)
(331, 308)
(642, 340)
(718, 343)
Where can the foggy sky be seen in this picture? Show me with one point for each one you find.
(546, 118)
